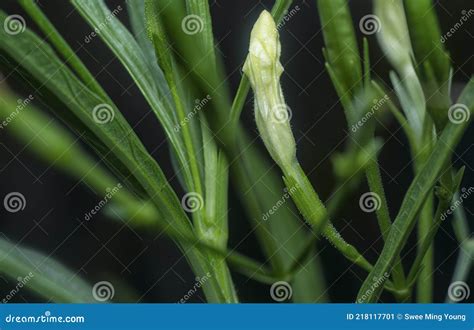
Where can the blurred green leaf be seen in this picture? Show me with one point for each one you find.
(433, 60)
(342, 52)
(43, 275)
(149, 78)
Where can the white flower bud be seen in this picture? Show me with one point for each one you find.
(263, 68)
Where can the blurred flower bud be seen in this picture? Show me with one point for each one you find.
(394, 39)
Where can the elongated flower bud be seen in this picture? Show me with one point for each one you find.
(263, 68)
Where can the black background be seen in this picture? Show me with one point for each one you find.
(151, 267)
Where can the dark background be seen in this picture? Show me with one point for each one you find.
(152, 266)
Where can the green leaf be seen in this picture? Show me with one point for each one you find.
(115, 133)
(248, 166)
(432, 58)
(394, 39)
(43, 275)
(341, 44)
(428, 44)
(49, 141)
(149, 78)
(208, 226)
(61, 45)
(40, 60)
(165, 60)
(214, 226)
(136, 13)
(205, 38)
(414, 199)
(185, 25)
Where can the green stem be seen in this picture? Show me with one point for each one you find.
(426, 223)
(239, 101)
(186, 134)
(459, 223)
(315, 213)
(412, 203)
(375, 184)
(423, 251)
(305, 197)
(426, 232)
